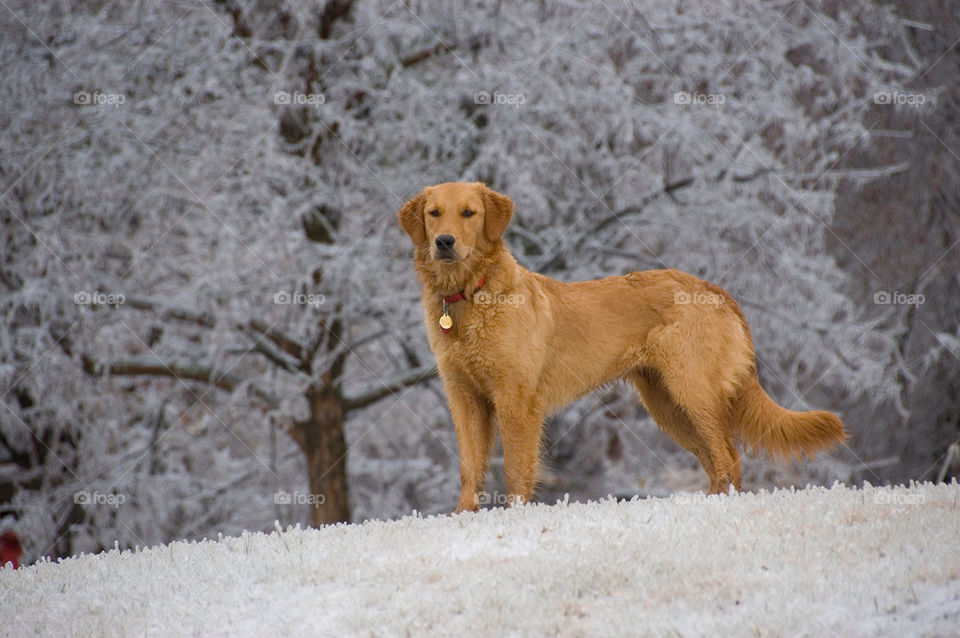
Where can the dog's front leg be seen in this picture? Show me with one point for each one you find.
(472, 419)
(521, 424)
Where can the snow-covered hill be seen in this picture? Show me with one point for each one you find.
(817, 562)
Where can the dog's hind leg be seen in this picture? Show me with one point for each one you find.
(692, 430)
(734, 455)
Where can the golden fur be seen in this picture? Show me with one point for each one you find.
(526, 344)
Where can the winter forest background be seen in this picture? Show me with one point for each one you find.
(210, 320)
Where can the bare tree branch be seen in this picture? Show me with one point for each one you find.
(277, 356)
(285, 342)
(382, 332)
(668, 189)
(287, 345)
(423, 54)
(150, 365)
(545, 262)
(336, 346)
(168, 311)
(333, 11)
(264, 346)
(412, 377)
(790, 321)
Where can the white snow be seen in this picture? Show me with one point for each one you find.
(813, 562)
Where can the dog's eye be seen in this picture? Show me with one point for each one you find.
(435, 213)
(468, 213)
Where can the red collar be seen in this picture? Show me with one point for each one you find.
(446, 322)
(460, 296)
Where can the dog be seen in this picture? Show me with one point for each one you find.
(512, 345)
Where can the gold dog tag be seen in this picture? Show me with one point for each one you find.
(446, 321)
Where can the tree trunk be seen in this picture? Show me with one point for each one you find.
(323, 443)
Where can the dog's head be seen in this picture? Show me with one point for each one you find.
(455, 219)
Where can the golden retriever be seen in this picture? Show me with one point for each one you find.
(512, 345)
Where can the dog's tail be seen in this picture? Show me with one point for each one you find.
(780, 432)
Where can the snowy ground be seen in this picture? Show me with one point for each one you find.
(816, 562)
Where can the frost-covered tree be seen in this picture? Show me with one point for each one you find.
(210, 163)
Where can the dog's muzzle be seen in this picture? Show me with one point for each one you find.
(445, 247)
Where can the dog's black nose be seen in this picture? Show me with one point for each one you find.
(445, 242)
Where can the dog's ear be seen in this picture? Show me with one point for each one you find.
(411, 219)
(497, 211)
